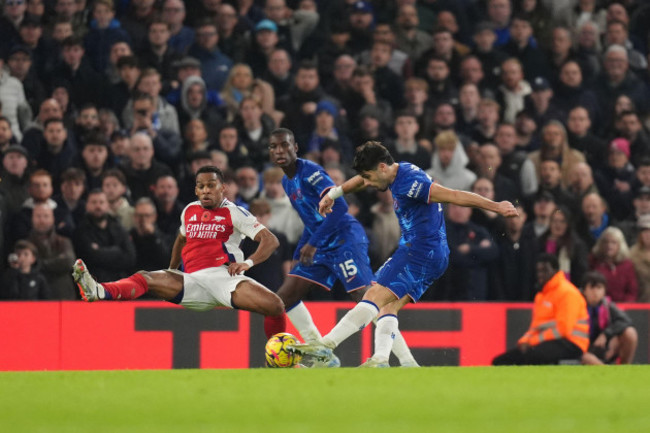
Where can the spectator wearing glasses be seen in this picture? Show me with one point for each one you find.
(181, 36)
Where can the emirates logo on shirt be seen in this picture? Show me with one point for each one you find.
(205, 231)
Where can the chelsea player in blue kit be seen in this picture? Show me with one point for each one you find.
(331, 248)
(421, 257)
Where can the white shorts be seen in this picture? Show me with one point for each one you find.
(210, 288)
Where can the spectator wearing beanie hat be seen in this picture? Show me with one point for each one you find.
(326, 130)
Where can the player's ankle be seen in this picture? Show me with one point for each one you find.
(101, 293)
(328, 343)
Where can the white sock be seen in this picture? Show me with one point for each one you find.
(355, 320)
(301, 319)
(400, 348)
(387, 327)
(101, 293)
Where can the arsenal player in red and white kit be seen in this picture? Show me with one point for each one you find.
(208, 243)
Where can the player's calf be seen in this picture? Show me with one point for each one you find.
(123, 290)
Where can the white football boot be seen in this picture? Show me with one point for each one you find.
(375, 363)
(88, 287)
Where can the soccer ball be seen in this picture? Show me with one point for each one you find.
(277, 355)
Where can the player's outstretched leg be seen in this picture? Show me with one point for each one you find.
(385, 334)
(355, 320)
(163, 284)
(89, 289)
(254, 297)
(123, 290)
(292, 291)
(400, 348)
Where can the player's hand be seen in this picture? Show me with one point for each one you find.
(507, 209)
(238, 268)
(600, 341)
(307, 254)
(325, 205)
(309, 108)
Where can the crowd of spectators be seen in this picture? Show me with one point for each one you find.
(109, 108)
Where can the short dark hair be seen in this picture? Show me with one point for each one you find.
(139, 96)
(551, 259)
(594, 278)
(440, 29)
(362, 71)
(72, 41)
(88, 106)
(628, 113)
(307, 65)
(520, 16)
(128, 61)
(52, 120)
(24, 244)
(96, 191)
(369, 155)
(95, 137)
(205, 22)
(116, 173)
(230, 126)
(211, 169)
(73, 174)
(283, 131)
(406, 113)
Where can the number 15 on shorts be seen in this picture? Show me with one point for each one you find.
(348, 268)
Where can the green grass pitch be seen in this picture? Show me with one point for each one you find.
(438, 399)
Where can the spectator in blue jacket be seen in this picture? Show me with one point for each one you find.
(104, 31)
(214, 64)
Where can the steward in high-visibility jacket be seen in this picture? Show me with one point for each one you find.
(560, 311)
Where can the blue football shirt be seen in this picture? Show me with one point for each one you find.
(305, 190)
(422, 222)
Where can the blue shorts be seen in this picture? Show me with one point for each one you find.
(348, 263)
(411, 273)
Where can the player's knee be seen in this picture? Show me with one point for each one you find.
(379, 295)
(146, 274)
(630, 335)
(276, 307)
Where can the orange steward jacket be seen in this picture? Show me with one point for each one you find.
(560, 311)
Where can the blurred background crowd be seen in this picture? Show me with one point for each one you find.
(109, 108)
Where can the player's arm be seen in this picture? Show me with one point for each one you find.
(351, 185)
(440, 194)
(267, 244)
(179, 243)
